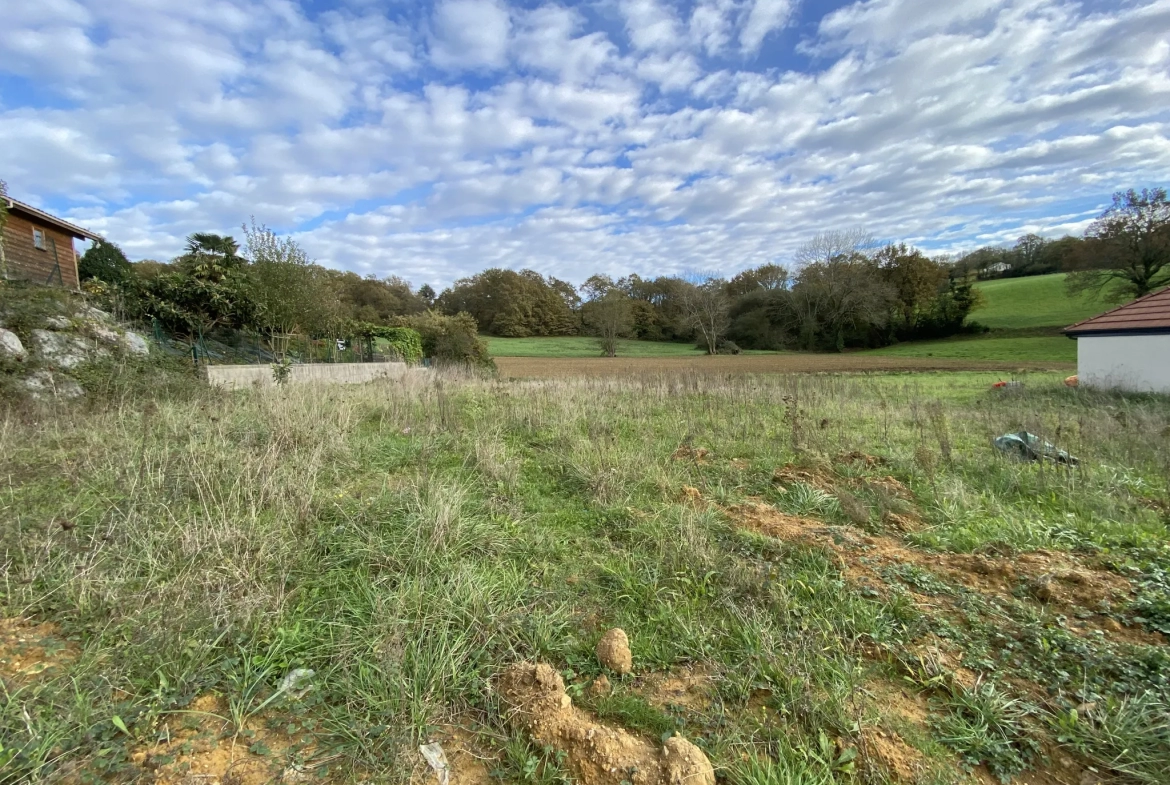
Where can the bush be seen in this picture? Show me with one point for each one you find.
(727, 346)
(449, 339)
(403, 342)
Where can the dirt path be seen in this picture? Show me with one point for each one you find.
(517, 367)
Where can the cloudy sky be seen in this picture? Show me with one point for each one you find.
(432, 140)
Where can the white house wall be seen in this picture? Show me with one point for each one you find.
(1129, 362)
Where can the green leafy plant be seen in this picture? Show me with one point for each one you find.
(984, 726)
(281, 372)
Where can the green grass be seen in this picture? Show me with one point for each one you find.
(583, 346)
(1035, 301)
(1038, 348)
(408, 540)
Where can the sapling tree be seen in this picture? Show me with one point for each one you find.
(286, 285)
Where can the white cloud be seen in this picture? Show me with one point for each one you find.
(470, 34)
(651, 25)
(710, 26)
(431, 142)
(764, 17)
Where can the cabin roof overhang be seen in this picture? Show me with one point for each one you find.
(27, 210)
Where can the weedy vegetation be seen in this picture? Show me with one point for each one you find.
(909, 606)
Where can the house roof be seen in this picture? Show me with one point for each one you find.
(1145, 314)
(17, 206)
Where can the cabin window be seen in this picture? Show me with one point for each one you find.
(39, 239)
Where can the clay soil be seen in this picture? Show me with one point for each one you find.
(549, 367)
(1057, 581)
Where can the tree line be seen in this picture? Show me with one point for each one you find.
(270, 287)
(843, 290)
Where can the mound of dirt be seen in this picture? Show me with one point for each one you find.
(696, 454)
(790, 475)
(864, 459)
(597, 754)
(1056, 580)
(600, 687)
(685, 764)
(613, 651)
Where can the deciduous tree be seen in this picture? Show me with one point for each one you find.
(608, 317)
(824, 247)
(1127, 249)
(705, 307)
(286, 285)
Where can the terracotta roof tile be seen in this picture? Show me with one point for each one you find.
(1151, 312)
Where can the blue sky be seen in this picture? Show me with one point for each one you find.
(433, 140)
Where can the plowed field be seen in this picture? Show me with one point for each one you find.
(515, 367)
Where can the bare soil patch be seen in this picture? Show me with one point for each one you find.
(1057, 581)
(688, 687)
(29, 650)
(885, 750)
(468, 762)
(548, 367)
(197, 746)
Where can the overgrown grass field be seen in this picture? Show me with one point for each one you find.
(824, 579)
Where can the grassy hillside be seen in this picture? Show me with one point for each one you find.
(824, 580)
(1037, 301)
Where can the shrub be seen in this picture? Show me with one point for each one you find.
(727, 346)
(451, 339)
(404, 342)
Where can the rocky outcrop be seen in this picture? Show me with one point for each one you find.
(47, 336)
(64, 350)
(123, 340)
(10, 347)
(46, 385)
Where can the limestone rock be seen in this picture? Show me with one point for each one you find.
(135, 343)
(57, 323)
(685, 764)
(60, 350)
(613, 651)
(126, 341)
(97, 314)
(104, 333)
(44, 385)
(10, 346)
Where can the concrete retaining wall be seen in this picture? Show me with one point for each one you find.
(234, 377)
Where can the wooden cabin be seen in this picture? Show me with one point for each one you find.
(38, 246)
